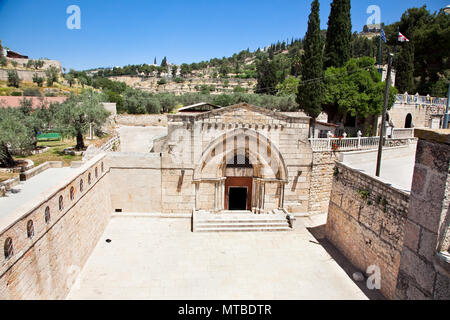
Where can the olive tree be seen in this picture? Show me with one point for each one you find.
(78, 112)
(15, 134)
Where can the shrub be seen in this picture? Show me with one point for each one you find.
(32, 92)
(16, 94)
(3, 61)
(162, 81)
(13, 79)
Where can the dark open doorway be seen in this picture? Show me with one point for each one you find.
(237, 198)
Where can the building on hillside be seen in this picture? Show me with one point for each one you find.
(13, 54)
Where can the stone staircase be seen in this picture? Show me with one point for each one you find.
(240, 221)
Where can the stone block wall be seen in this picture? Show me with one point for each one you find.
(142, 120)
(425, 262)
(321, 181)
(45, 264)
(366, 222)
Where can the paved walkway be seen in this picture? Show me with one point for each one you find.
(398, 171)
(139, 139)
(151, 258)
(31, 190)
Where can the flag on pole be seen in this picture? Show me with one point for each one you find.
(402, 38)
(383, 36)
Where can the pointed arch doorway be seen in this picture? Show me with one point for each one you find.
(239, 184)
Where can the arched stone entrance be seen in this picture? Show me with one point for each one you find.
(240, 170)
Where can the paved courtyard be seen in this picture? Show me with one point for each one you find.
(139, 139)
(157, 258)
(398, 171)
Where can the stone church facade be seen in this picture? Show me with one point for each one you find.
(240, 157)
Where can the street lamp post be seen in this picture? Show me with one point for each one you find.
(383, 116)
(445, 125)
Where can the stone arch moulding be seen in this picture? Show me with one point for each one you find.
(260, 151)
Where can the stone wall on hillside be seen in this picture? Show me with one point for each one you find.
(188, 86)
(24, 75)
(366, 222)
(144, 120)
(425, 262)
(48, 256)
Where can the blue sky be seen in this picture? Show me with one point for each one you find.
(120, 32)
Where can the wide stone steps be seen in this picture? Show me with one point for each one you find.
(240, 222)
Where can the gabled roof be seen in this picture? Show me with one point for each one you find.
(199, 107)
(246, 106)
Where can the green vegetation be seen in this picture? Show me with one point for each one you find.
(355, 90)
(310, 92)
(338, 46)
(76, 114)
(52, 75)
(20, 127)
(13, 79)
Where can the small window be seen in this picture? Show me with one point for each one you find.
(89, 178)
(61, 203)
(47, 215)
(81, 185)
(103, 167)
(72, 193)
(30, 229)
(96, 172)
(8, 248)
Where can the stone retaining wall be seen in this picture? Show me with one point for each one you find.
(425, 262)
(45, 265)
(157, 120)
(366, 222)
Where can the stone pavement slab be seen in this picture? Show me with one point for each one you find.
(157, 258)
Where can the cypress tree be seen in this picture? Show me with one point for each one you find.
(267, 77)
(154, 62)
(310, 93)
(339, 34)
(405, 69)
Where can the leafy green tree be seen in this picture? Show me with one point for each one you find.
(14, 134)
(1, 50)
(78, 112)
(185, 70)
(3, 61)
(404, 79)
(267, 77)
(13, 79)
(310, 91)
(288, 86)
(355, 90)
(52, 75)
(38, 80)
(70, 79)
(174, 71)
(339, 33)
(164, 62)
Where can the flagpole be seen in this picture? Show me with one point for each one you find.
(380, 53)
(396, 46)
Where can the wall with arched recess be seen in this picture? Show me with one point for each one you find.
(45, 266)
(265, 157)
(269, 169)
